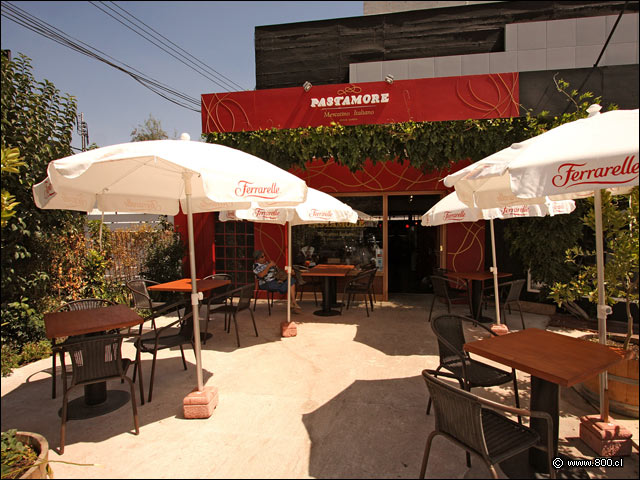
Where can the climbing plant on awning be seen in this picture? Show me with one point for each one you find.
(426, 145)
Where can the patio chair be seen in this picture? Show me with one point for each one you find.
(365, 268)
(256, 292)
(142, 301)
(511, 298)
(460, 366)
(216, 298)
(96, 359)
(242, 298)
(302, 283)
(456, 285)
(443, 291)
(360, 284)
(479, 426)
(175, 334)
(83, 304)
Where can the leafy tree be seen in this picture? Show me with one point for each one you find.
(11, 163)
(38, 121)
(150, 130)
(620, 230)
(529, 237)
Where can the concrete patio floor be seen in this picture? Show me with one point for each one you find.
(343, 399)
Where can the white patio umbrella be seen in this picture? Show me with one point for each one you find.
(319, 207)
(159, 176)
(451, 210)
(575, 160)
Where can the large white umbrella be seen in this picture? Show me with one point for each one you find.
(575, 160)
(319, 207)
(159, 176)
(451, 210)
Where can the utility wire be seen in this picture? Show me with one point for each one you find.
(595, 65)
(221, 80)
(25, 19)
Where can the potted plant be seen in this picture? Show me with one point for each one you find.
(620, 225)
(24, 455)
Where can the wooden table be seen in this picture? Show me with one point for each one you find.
(184, 286)
(330, 273)
(97, 400)
(475, 286)
(552, 359)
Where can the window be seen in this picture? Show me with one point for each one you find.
(234, 243)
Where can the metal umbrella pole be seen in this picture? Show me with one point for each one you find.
(195, 296)
(494, 270)
(603, 308)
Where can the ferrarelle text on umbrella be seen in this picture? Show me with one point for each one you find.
(567, 172)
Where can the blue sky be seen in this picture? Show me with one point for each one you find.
(220, 34)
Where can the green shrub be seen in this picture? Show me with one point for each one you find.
(35, 351)
(10, 359)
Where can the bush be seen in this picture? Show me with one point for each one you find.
(10, 359)
(35, 351)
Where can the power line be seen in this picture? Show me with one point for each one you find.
(31, 22)
(197, 65)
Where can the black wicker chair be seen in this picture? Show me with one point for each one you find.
(217, 297)
(303, 283)
(83, 304)
(478, 426)
(175, 334)
(442, 291)
(142, 301)
(95, 359)
(242, 298)
(256, 293)
(360, 284)
(512, 298)
(460, 366)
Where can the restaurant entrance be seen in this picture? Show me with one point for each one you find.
(412, 248)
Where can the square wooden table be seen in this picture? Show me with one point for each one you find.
(475, 287)
(552, 359)
(184, 286)
(330, 273)
(96, 400)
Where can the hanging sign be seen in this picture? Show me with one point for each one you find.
(418, 100)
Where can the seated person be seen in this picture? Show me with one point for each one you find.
(265, 271)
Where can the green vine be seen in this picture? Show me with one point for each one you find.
(428, 146)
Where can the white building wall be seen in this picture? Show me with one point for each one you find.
(529, 46)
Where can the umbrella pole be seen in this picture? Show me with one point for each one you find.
(603, 308)
(494, 270)
(288, 272)
(194, 287)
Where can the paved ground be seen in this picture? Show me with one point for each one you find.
(342, 399)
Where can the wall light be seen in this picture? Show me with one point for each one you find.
(389, 79)
(307, 86)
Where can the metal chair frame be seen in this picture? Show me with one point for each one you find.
(362, 284)
(142, 301)
(95, 359)
(175, 334)
(216, 298)
(82, 304)
(460, 366)
(479, 426)
(301, 282)
(442, 290)
(242, 296)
